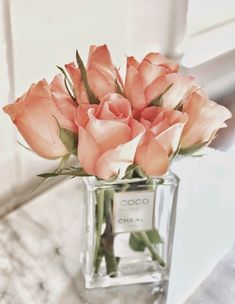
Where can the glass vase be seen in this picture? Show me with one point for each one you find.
(128, 230)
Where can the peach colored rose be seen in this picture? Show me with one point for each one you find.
(34, 115)
(147, 80)
(63, 100)
(108, 137)
(173, 89)
(205, 118)
(112, 107)
(101, 74)
(161, 140)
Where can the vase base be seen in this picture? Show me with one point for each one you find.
(106, 281)
(139, 293)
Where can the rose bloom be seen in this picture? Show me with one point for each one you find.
(153, 77)
(205, 118)
(164, 128)
(35, 115)
(108, 137)
(101, 74)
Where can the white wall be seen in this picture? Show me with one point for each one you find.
(7, 134)
(47, 33)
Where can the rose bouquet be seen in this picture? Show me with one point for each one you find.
(119, 130)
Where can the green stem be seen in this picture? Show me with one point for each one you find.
(99, 258)
(151, 248)
(105, 242)
(100, 216)
(108, 237)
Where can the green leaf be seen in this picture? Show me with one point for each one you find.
(74, 172)
(63, 161)
(140, 172)
(154, 236)
(131, 167)
(134, 171)
(160, 181)
(49, 174)
(119, 88)
(129, 171)
(91, 96)
(68, 83)
(109, 180)
(193, 149)
(68, 90)
(66, 171)
(69, 139)
(136, 242)
(157, 101)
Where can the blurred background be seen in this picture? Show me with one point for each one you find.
(35, 36)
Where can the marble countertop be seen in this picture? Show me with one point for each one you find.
(40, 242)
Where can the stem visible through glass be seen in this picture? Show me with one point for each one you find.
(105, 242)
(104, 247)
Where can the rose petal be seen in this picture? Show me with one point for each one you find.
(88, 151)
(157, 87)
(170, 138)
(81, 116)
(151, 157)
(34, 115)
(108, 134)
(158, 59)
(99, 55)
(114, 106)
(150, 113)
(136, 128)
(180, 89)
(159, 128)
(134, 88)
(75, 75)
(150, 71)
(132, 61)
(205, 118)
(115, 162)
(178, 92)
(63, 100)
(100, 84)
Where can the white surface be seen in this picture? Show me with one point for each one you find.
(205, 220)
(219, 285)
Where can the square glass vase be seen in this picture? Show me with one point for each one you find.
(128, 229)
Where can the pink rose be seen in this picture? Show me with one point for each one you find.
(205, 118)
(114, 107)
(101, 74)
(161, 140)
(108, 137)
(147, 80)
(35, 115)
(64, 102)
(172, 89)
